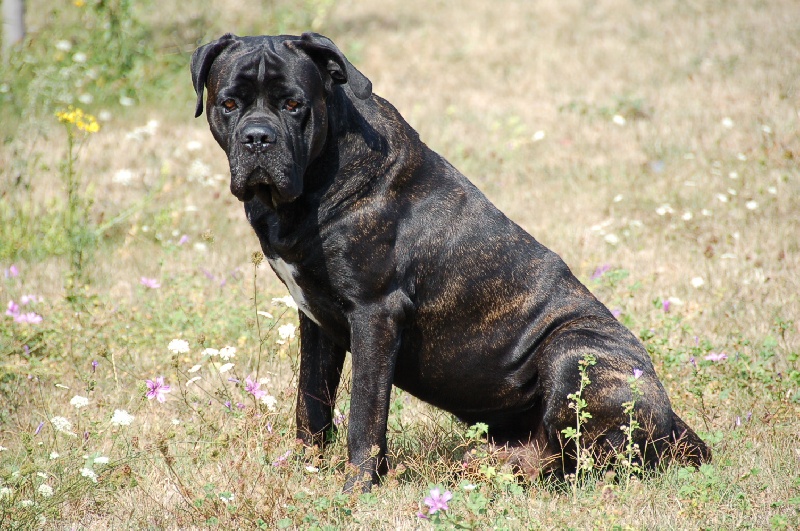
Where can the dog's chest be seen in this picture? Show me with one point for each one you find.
(287, 272)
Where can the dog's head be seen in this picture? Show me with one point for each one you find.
(266, 106)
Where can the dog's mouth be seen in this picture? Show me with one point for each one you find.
(264, 192)
(257, 184)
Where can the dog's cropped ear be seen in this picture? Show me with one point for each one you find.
(202, 59)
(323, 52)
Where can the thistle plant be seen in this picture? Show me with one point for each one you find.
(578, 403)
(80, 237)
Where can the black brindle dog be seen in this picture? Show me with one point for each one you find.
(394, 256)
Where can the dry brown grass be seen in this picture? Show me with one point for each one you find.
(709, 96)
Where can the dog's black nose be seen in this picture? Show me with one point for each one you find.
(257, 137)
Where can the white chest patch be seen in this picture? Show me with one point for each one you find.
(286, 272)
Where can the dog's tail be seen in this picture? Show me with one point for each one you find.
(687, 446)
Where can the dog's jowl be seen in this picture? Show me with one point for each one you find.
(394, 256)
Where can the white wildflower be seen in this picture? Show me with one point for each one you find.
(79, 401)
(79, 57)
(211, 352)
(270, 401)
(687, 216)
(619, 119)
(698, 282)
(62, 424)
(45, 490)
(664, 209)
(123, 177)
(722, 198)
(101, 460)
(751, 205)
(286, 331)
(89, 473)
(27, 503)
(193, 380)
(226, 353)
(178, 346)
(5, 492)
(54, 455)
(225, 368)
(537, 136)
(613, 239)
(727, 123)
(195, 368)
(287, 300)
(312, 469)
(121, 418)
(63, 46)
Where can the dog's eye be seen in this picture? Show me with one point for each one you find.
(291, 105)
(230, 105)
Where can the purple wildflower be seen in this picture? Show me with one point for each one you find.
(12, 272)
(157, 389)
(716, 356)
(184, 239)
(438, 500)
(30, 317)
(616, 312)
(151, 283)
(29, 299)
(338, 418)
(39, 428)
(748, 416)
(13, 309)
(693, 362)
(600, 271)
(666, 304)
(252, 387)
(637, 373)
(94, 365)
(281, 459)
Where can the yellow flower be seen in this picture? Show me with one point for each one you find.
(81, 120)
(79, 3)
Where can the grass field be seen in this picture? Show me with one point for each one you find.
(653, 145)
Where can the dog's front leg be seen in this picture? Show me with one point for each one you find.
(320, 370)
(374, 344)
